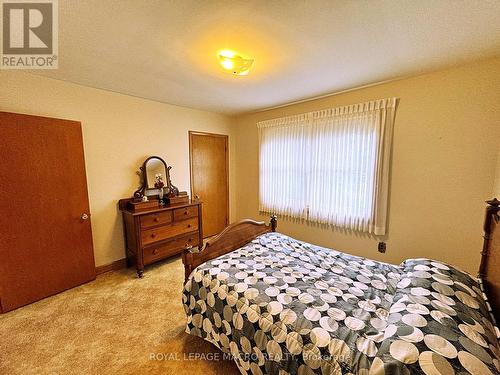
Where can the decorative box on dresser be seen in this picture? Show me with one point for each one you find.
(155, 234)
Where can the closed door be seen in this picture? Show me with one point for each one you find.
(45, 233)
(209, 179)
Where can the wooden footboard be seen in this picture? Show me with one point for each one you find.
(490, 256)
(231, 238)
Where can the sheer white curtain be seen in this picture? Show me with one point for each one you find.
(329, 166)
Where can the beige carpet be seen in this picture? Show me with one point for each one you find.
(115, 324)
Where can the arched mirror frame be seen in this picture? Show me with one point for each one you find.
(169, 189)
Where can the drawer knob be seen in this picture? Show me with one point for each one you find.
(189, 225)
(153, 235)
(155, 251)
(186, 212)
(156, 219)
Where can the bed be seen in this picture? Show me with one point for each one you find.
(282, 306)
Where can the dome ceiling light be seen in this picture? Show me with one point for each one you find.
(233, 63)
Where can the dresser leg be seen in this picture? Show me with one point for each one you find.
(140, 273)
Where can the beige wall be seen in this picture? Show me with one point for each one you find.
(444, 159)
(119, 132)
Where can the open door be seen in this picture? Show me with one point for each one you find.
(46, 237)
(209, 163)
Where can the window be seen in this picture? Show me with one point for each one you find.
(329, 166)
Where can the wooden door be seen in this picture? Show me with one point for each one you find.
(45, 237)
(209, 179)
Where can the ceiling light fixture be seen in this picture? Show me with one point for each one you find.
(234, 63)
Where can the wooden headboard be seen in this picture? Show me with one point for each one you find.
(233, 237)
(489, 270)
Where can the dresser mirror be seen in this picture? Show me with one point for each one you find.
(155, 179)
(154, 167)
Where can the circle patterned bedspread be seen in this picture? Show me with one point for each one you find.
(282, 306)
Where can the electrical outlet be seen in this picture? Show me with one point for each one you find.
(382, 247)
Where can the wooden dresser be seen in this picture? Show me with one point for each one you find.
(159, 233)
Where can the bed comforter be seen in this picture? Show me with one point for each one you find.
(282, 306)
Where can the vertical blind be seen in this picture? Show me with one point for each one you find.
(329, 166)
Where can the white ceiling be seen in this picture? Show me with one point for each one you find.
(167, 50)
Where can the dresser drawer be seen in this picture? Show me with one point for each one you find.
(161, 233)
(155, 219)
(167, 249)
(185, 213)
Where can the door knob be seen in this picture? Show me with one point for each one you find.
(197, 196)
(84, 216)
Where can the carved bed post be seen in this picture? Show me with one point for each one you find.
(274, 223)
(187, 259)
(491, 213)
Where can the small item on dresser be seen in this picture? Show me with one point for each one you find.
(183, 197)
(143, 205)
(159, 184)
